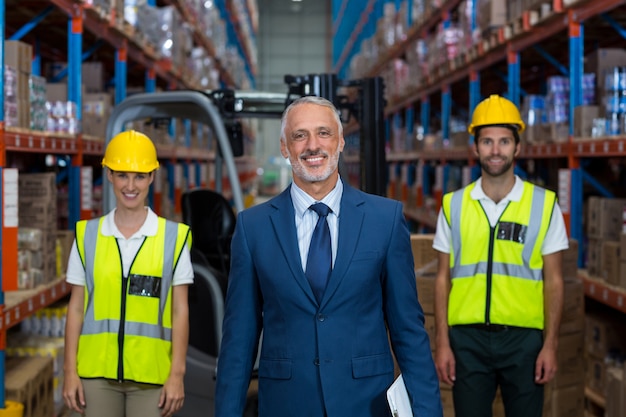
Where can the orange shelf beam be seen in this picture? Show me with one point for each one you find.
(22, 303)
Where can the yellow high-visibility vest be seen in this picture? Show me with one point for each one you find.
(497, 273)
(127, 325)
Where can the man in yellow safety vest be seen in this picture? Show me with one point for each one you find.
(499, 287)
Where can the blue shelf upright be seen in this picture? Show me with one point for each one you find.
(74, 94)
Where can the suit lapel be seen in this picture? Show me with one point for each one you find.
(350, 223)
(285, 228)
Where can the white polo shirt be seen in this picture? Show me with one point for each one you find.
(183, 273)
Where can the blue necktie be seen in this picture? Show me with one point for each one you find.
(319, 260)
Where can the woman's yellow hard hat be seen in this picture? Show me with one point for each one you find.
(131, 151)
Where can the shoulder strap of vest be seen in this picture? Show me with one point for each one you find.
(181, 235)
(453, 199)
(86, 235)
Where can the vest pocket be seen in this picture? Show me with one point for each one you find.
(144, 286)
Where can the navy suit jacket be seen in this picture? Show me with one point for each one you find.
(334, 356)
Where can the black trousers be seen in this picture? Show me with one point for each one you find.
(486, 359)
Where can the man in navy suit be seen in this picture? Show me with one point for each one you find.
(326, 354)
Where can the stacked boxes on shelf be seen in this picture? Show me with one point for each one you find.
(29, 380)
(18, 59)
(97, 108)
(565, 394)
(490, 15)
(604, 223)
(38, 116)
(608, 117)
(605, 347)
(11, 118)
(30, 258)
(37, 207)
(547, 117)
(41, 335)
(615, 391)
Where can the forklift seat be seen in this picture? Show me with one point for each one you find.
(212, 222)
(206, 307)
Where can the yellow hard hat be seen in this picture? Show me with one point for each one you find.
(496, 110)
(130, 151)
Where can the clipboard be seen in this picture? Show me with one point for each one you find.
(398, 399)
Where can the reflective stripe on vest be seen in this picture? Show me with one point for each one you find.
(93, 326)
(519, 271)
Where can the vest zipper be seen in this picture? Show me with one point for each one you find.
(489, 274)
(120, 334)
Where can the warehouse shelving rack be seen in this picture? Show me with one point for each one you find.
(502, 46)
(16, 305)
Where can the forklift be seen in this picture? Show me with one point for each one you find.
(212, 217)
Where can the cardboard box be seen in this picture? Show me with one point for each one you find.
(56, 92)
(459, 140)
(571, 369)
(96, 111)
(536, 134)
(559, 132)
(604, 333)
(564, 401)
(573, 315)
(583, 120)
(19, 55)
(605, 218)
(622, 250)
(594, 257)
(424, 256)
(491, 14)
(38, 214)
(599, 62)
(93, 76)
(426, 293)
(29, 380)
(611, 262)
(615, 391)
(595, 374)
(41, 186)
(569, 268)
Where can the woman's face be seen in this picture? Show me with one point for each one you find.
(130, 188)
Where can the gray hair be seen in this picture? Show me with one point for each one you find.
(320, 101)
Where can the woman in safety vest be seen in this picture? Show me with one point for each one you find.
(127, 322)
(499, 286)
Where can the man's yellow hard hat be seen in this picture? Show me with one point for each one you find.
(496, 110)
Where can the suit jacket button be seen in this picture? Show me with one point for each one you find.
(321, 317)
(317, 361)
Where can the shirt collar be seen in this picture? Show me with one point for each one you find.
(514, 195)
(302, 201)
(148, 228)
